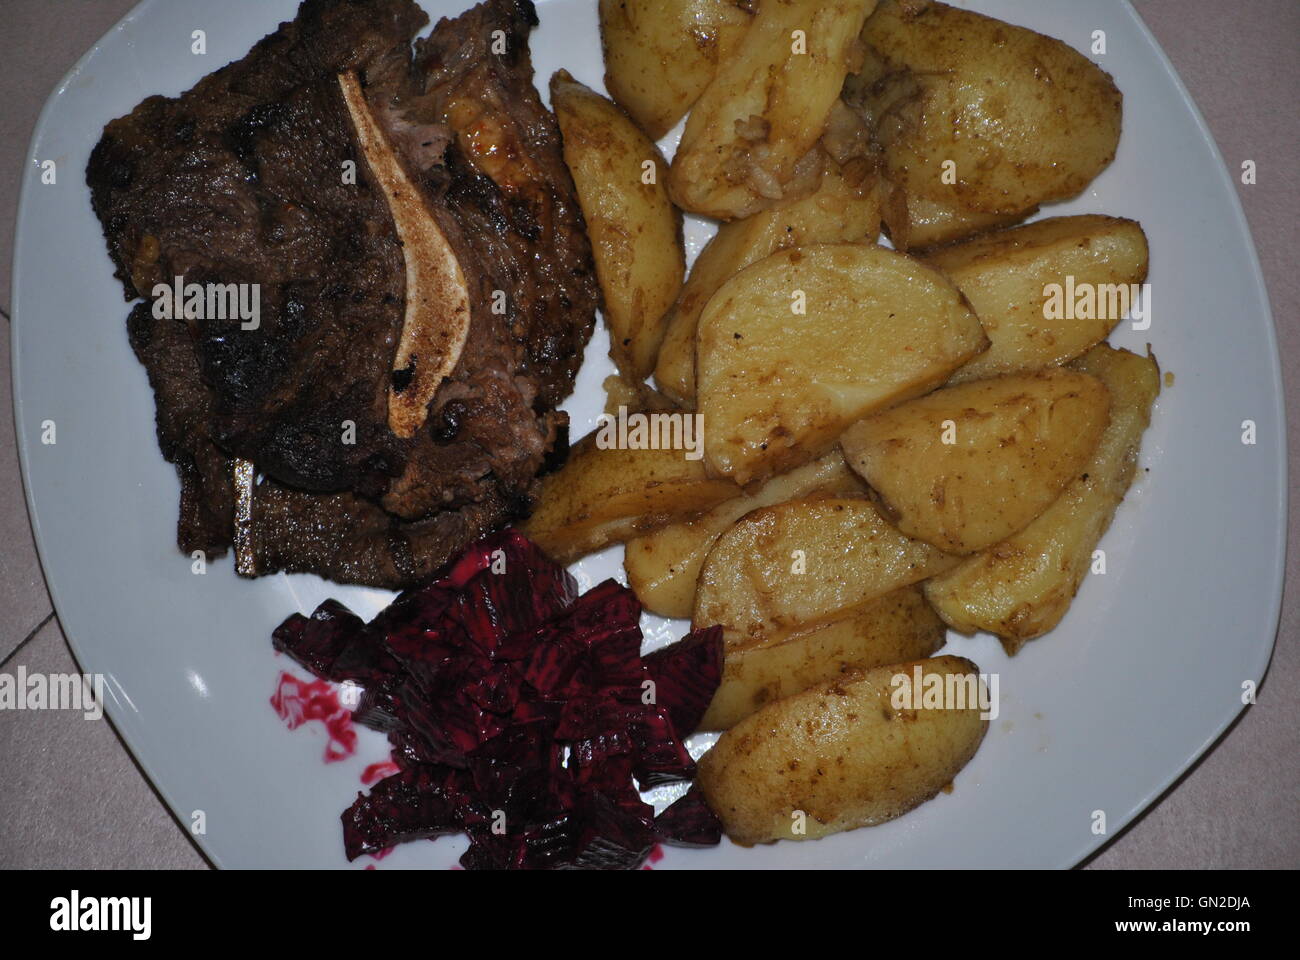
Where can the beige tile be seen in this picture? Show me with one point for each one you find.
(23, 599)
(42, 40)
(71, 796)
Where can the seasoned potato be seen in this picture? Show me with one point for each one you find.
(918, 222)
(1024, 118)
(635, 397)
(965, 467)
(845, 207)
(1021, 588)
(898, 626)
(777, 386)
(1005, 276)
(636, 233)
(749, 139)
(663, 566)
(842, 755)
(603, 496)
(802, 562)
(661, 54)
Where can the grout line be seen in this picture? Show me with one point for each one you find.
(27, 639)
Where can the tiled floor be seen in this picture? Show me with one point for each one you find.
(71, 796)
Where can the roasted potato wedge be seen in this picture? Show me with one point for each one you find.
(846, 207)
(605, 495)
(987, 116)
(842, 755)
(802, 562)
(634, 397)
(896, 627)
(636, 232)
(1021, 588)
(1006, 274)
(661, 54)
(966, 467)
(758, 121)
(916, 223)
(777, 386)
(664, 566)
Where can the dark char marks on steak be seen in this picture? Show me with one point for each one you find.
(240, 180)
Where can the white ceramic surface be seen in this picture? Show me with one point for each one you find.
(1144, 674)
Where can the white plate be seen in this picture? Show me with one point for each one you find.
(1144, 674)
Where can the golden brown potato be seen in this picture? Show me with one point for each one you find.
(1006, 275)
(801, 562)
(1022, 118)
(896, 627)
(796, 347)
(661, 54)
(607, 495)
(1021, 588)
(634, 397)
(846, 207)
(663, 566)
(749, 139)
(916, 223)
(849, 753)
(636, 233)
(966, 467)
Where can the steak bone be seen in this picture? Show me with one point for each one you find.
(437, 317)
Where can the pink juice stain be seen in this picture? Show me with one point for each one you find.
(378, 771)
(298, 701)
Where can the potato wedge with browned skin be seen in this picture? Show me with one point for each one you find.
(801, 562)
(967, 466)
(795, 348)
(918, 223)
(845, 207)
(664, 566)
(749, 137)
(634, 397)
(984, 115)
(898, 626)
(1021, 588)
(1009, 277)
(660, 55)
(605, 495)
(636, 232)
(849, 753)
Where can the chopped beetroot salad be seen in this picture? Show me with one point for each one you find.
(519, 713)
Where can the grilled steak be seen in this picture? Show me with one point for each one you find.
(424, 282)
